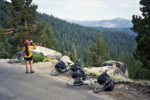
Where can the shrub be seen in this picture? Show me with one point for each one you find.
(37, 58)
(47, 59)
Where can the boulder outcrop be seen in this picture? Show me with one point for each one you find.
(18, 55)
(46, 52)
(121, 66)
(115, 69)
(66, 59)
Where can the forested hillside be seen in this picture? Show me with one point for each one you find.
(124, 30)
(72, 35)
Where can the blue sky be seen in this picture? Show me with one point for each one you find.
(89, 9)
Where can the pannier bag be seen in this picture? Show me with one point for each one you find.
(105, 79)
(78, 73)
(102, 78)
(60, 65)
(75, 67)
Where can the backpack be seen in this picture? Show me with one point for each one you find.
(27, 50)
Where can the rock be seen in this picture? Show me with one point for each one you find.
(121, 66)
(47, 52)
(66, 59)
(18, 55)
(113, 70)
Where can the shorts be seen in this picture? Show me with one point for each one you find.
(28, 59)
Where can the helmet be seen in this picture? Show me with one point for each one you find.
(26, 42)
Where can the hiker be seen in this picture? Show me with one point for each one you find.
(27, 53)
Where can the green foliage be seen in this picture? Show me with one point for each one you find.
(20, 25)
(97, 52)
(37, 58)
(47, 59)
(19, 13)
(136, 71)
(73, 54)
(141, 25)
(47, 39)
(5, 49)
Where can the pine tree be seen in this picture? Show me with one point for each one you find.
(97, 52)
(141, 25)
(19, 13)
(18, 19)
(20, 24)
(73, 54)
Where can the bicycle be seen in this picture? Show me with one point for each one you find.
(104, 82)
(58, 71)
(86, 80)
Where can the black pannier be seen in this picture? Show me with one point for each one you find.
(75, 67)
(102, 78)
(105, 79)
(78, 73)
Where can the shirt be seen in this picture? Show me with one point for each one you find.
(30, 52)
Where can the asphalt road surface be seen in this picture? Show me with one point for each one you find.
(16, 85)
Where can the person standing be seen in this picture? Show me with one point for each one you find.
(27, 53)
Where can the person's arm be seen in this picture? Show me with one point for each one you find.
(32, 43)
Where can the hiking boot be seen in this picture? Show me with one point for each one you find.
(31, 71)
(26, 72)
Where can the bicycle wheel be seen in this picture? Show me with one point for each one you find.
(68, 73)
(54, 72)
(108, 86)
(70, 82)
(98, 88)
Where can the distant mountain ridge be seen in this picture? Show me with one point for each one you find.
(113, 23)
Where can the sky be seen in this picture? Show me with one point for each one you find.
(89, 9)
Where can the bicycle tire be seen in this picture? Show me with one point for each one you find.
(70, 82)
(96, 90)
(54, 72)
(68, 73)
(109, 84)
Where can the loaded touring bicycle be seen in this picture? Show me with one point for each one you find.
(102, 83)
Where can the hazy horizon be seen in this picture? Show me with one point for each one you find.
(89, 10)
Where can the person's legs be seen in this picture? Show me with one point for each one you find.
(31, 71)
(27, 62)
(30, 65)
